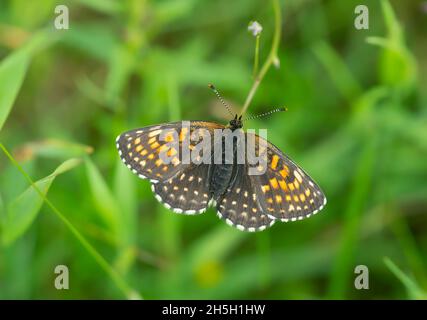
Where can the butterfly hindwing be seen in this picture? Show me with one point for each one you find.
(187, 192)
(285, 191)
(239, 206)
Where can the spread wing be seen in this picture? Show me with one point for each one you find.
(145, 150)
(285, 190)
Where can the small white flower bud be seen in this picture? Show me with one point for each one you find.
(255, 28)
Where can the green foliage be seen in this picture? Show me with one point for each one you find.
(413, 289)
(22, 210)
(12, 72)
(357, 124)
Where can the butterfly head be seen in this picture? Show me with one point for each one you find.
(236, 123)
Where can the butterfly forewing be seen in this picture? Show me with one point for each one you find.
(285, 191)
(141, 149)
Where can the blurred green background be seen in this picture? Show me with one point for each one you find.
(357, 122)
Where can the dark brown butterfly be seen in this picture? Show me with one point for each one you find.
(248, 202)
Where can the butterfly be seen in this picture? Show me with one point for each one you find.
(248, 202)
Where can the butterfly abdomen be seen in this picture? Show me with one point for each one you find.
(221, 177)
(222, 174)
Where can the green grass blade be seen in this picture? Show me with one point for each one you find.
(124, 187)
(13, 70)
(414, 291)
(2, 213)
(22, 211)
(12, 73)
(338, 71)
(104, 201)
(53, 148)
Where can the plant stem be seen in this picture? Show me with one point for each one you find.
(117, 279)
(256, 61)
(411, 286)
(271, 56)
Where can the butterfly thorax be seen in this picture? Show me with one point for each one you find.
(235, 123)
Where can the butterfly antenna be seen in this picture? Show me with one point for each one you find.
(212, 87)
(266, 113)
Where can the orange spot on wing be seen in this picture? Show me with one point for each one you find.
(283, 185)
(274, 162)
(182, 134)
(171, 152)
(284, 172)
(169, 137)
(274, 183)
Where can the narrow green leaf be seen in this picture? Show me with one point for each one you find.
(53, 148)
(105, 203)
(120, 68)
(414, 291)
(22, 211)
(337, 70)
(12, 73)
(125, 192)
(13, 70)
(2, 213)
